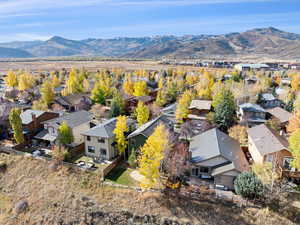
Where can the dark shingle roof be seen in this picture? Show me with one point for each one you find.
(105, 130)
(251, 107)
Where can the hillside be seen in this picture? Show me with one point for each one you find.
(58, 195)
(263, 42)
(14, 53)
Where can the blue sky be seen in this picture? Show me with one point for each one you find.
(80, 19)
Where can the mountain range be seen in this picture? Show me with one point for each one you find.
(260, 42)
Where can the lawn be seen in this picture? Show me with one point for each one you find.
(121, 175)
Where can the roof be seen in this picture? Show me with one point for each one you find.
(282, 115)
(251, 107)
(268, 97)
(213, 143)
(73, 119)
(70, 99)
(200, 104)
(105, 130)
(148, 128)
(254, 65)
(44, 135)
(267, 140)
(26, 116)
(170, 109)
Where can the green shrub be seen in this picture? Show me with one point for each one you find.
(248, 185)
(132, 159)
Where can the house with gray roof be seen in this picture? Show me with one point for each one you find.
(138, 138)
(199, 109)
(267, 100)
(280, 114)
(79, 122)
(251, 114)
(215, 155)
(100, 140)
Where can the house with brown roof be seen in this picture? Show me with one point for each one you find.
(74, 102)
(198, 109)
(266, 145)
(281, 115)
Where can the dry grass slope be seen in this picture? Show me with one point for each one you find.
(64, 196)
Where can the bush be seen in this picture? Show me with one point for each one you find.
(248, 185)
(132, 159)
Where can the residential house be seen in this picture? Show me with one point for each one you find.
(265, 145)
(267, 100)
(100, 140)
(281, 115)
(138, 138)
(215, 155)
(79, 122)
(199, 109)
(74, 102)
(251, 114)
(32, 120)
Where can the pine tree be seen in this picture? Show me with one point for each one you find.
(16, 124)
(151, 156)
(142, 113)
(119, 131)
(65, 134)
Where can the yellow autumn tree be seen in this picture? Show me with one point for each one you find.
(151, 156)
(182, 109)
(239, 133)
(47, 92)
(205, 86)
(295, 82)
(119, 131)
(26, 81)
(294, 122)
(142, 113)
(55, 81)
(140, 88)
(128, 86)
(86, 85)
(11, 79)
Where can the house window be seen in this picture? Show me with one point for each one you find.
(91, 149)
(101, 140)
(103, 151)
(269, 158)
(195, 172)
(204, 169)
(287, 163)
(88, 138)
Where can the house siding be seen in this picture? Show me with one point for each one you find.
(111, 151)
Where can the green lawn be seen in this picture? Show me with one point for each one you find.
(121, 175)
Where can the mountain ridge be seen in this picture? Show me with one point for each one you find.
(266, 42)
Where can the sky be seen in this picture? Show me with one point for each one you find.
(26, 20)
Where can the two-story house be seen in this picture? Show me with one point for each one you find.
(251, 114)
(266, 145)
(78, 122)
(199, 109)
(32, 120)
(215, 155)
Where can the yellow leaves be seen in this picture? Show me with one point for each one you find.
(119, 131)
(140, 88)
(151, 155)
(142, 113)
(192, 79)
(26, 81)
(128, 86)
(265, 172)
(47, 92)
(11, 79)
(205, 86)
(294, 143)
(55, 81)
(239, 133)
(294, 122)
(295, 82)
(182, 109)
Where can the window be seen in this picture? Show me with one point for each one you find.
(269, 158)
(101, 140)
(103, 151)
(204, 169)
(88, 138)
(195, 172)
(91, 149)
(287, 163)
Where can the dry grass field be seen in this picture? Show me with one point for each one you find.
(68, 197)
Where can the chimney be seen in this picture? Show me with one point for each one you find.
(33, 116)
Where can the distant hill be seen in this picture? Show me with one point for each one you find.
(262, 42)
